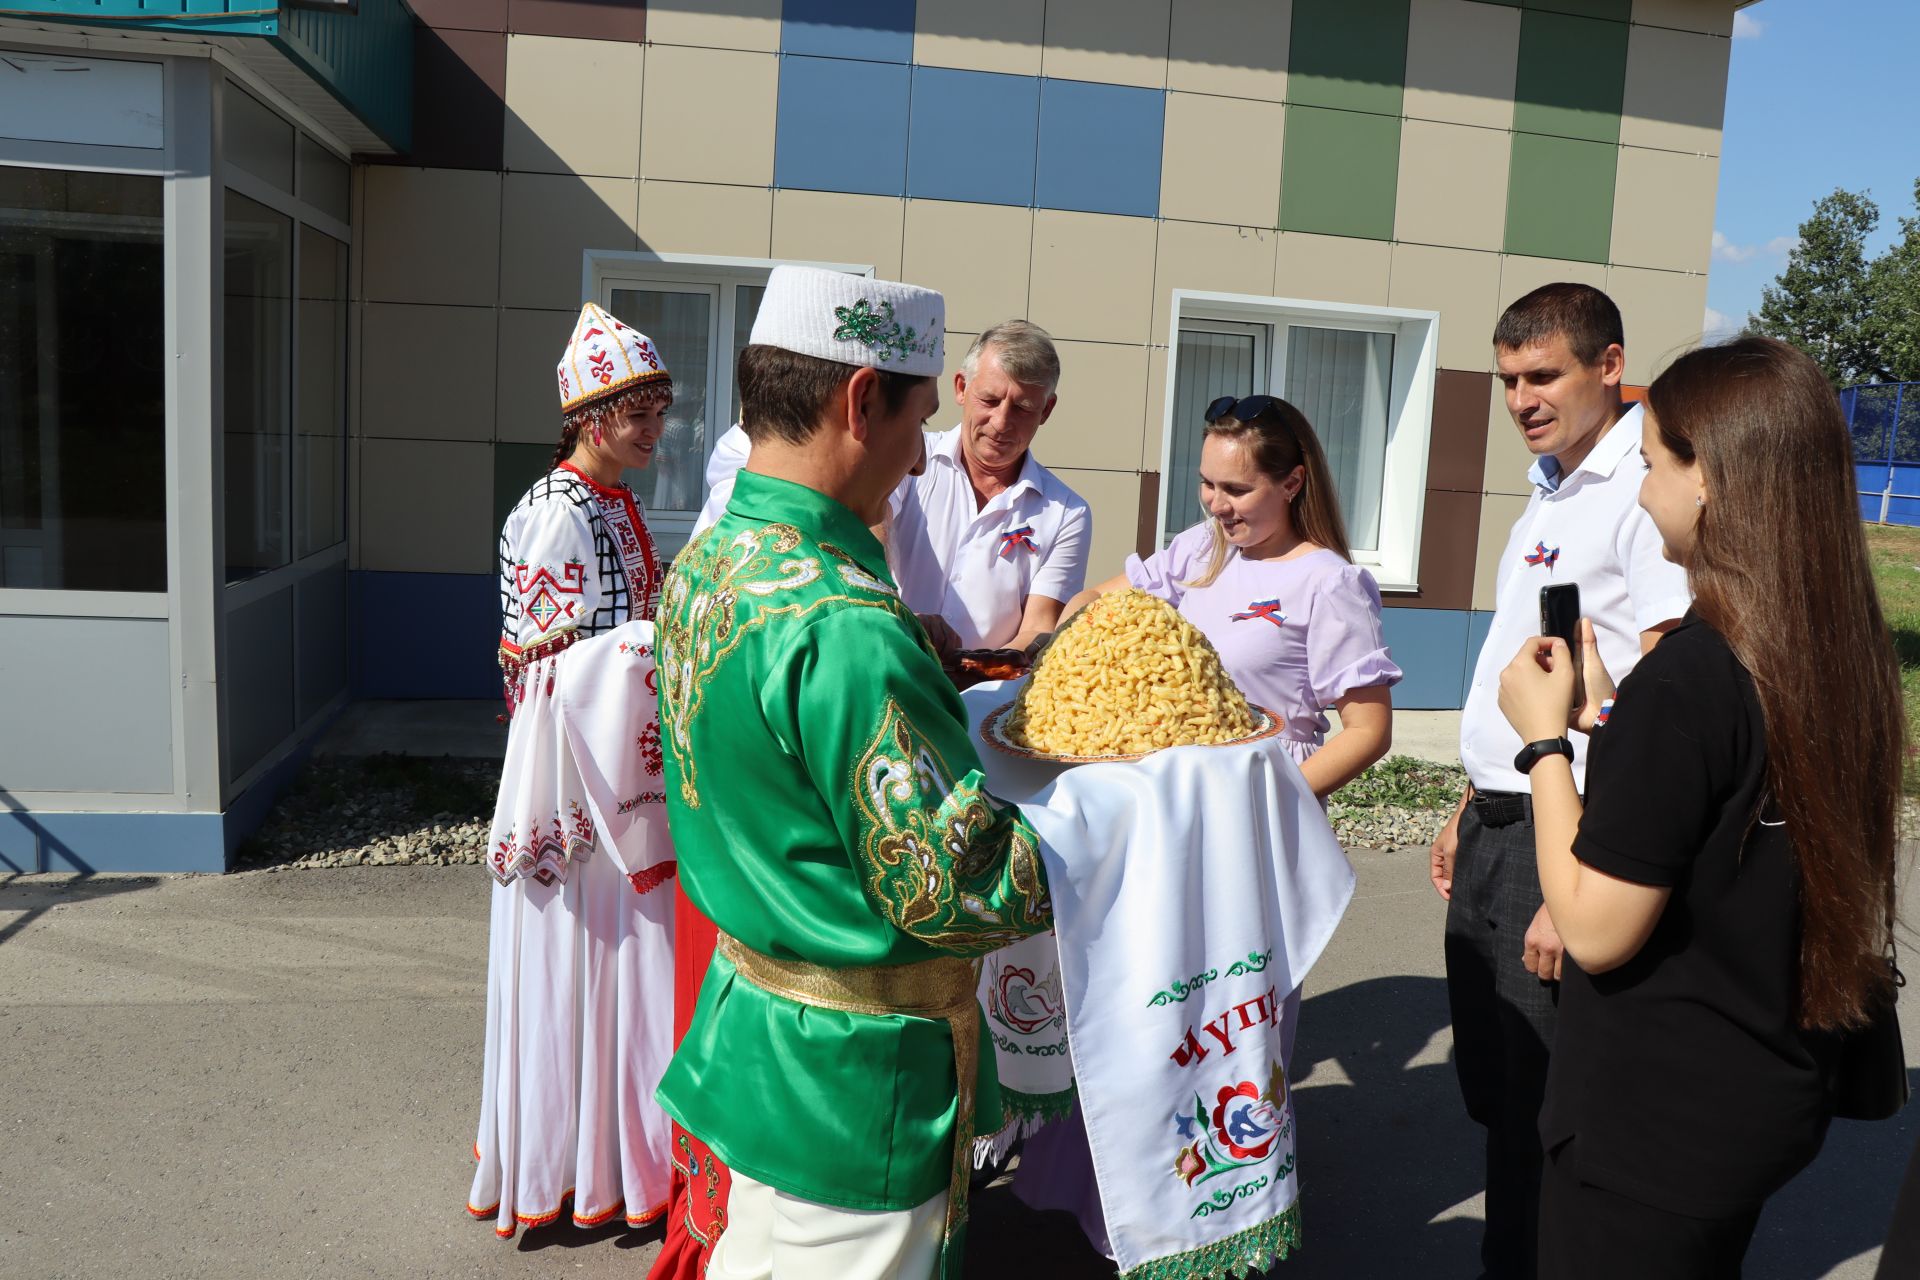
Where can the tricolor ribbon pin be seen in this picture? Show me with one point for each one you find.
(1543, 554)
(1268, 609)
(1015, 539)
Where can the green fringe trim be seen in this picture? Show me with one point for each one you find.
(1250, 1250)
(1020, 1108)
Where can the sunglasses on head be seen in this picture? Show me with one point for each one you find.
(1243, 409)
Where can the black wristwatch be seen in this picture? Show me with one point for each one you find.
(1534, 752)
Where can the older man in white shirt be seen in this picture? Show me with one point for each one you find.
(1560, 352)
(987, 545)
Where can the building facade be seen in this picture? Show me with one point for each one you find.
(1327, 199)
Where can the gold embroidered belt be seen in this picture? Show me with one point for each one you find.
(943, 988)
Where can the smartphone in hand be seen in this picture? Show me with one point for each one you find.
(1560, 616)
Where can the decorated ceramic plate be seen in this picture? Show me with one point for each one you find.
(994, 734)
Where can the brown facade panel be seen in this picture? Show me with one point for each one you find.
(459, 98)
(1457, 450)
(579, 19)
(1449, 541)
(462, 15)
(1146, 537)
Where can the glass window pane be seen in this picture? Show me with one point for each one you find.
(83, 501)
(746, 306)
(680, 325)
(1208, 366)
(1342, 380)
(319, 423)
(326, 182)
(259, 269)
(256, 139)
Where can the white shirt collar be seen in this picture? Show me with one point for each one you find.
(1621, 439)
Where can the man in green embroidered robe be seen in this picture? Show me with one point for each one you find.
(829, 815)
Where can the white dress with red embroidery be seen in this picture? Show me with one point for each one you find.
(580, 952)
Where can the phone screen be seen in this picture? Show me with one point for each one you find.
(1560, 616)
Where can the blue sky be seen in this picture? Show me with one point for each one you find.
(1820, 94)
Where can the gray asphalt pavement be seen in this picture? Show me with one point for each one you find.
(276, 1075)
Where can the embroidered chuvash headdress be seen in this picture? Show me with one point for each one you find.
(877, 324)
(604, 358)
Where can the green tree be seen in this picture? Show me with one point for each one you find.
(1823, 301)
(1894, 282)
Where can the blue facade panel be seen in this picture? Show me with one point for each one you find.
(1431, 646)
(1100, 147)
(974, 136)
(112, 842)
(842, 126)
(870, 30)
(425, 635)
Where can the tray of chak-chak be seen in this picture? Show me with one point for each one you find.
(1126, 678)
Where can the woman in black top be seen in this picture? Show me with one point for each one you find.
(1723, 897)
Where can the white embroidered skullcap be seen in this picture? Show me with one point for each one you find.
(876, 324)
(604, 357)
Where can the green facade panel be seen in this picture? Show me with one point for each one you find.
(1340, 172)
(1612, 10)
(1573, 77)
(1560, 198)
(1349, 54)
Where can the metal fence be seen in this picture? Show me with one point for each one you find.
(1884, 420)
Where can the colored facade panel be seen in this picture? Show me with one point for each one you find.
(1612, 10)
(1100, 147)
(1560, 198)
(460, 120)
(974, 136)
(1430, 646)
(1572, 77)
(843, 126)
(870, 30)
(1342, 171)
(1348, 54)
(426, 635)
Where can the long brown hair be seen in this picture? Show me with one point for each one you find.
(1779, 567)
(1280, 439)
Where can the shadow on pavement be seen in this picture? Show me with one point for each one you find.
(34, 896)
(564, 1235)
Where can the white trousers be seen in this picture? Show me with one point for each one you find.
(771, 1235)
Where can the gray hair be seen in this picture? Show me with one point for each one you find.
(1025, 351)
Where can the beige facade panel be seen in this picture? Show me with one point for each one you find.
(1521, 275)
(977, 255)
(825, 226)
(453, 403)
(979, 35)
(1676, 92)
(709, 115)
(548, 221)
(1107, 43)
(1463, 285)
(1664, 313)
(698, 217)
(1154, 430)
(1113, 498)
(1192, 183)
(1092, 276)
(1663, 207)
(1453, 185)
(1498, 512)
(1100, 416)
(1210, 41)
(1508, 457)
(1201, 255)
(1713, 17)
(1332, 269)
(1462, 62)
(431, 235)
(718, 24)
(546, 130)
(948, 414)
(526, 395)
(444, 526)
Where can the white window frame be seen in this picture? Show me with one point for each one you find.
(604, 270)
(1395, 563)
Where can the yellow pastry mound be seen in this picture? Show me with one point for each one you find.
(1127, 675)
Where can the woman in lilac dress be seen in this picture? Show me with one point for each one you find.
(1269, 579)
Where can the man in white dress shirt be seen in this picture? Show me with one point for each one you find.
(987, 545)
(1561, 358)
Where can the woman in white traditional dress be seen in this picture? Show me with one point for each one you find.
(574, 1045)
